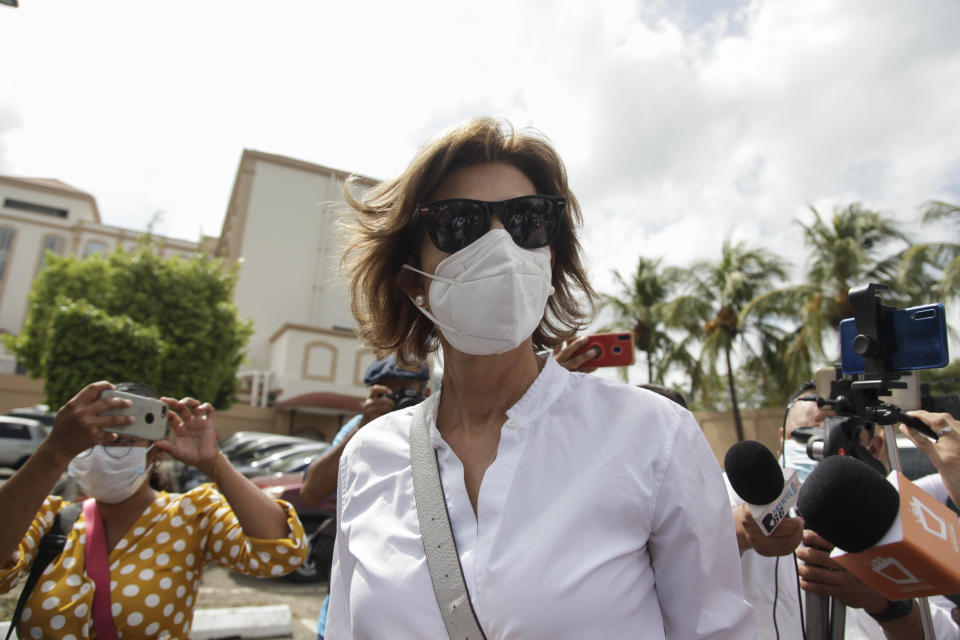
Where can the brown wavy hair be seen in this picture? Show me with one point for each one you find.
(381, 237)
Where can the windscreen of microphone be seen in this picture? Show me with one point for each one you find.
(753, 472)
(847, 503)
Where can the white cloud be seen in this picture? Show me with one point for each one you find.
(681, 124)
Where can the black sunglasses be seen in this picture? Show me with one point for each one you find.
(532, 221)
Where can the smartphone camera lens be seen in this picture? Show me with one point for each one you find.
(148, 418)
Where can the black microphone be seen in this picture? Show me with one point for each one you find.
(847, 503)
(768, 489)
(902, 543)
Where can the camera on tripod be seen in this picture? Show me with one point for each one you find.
(880, 346)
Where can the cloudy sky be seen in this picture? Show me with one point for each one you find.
(682, 123)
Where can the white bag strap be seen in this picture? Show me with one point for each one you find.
(438, 543)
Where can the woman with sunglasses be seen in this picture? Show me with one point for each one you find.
(579, 507)
(155, 544)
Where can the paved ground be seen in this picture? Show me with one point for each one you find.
(221, 588)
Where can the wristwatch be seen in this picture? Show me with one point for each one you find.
(894, 611)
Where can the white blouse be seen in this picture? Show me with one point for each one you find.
(604, 515)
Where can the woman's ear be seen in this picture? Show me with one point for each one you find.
(411, 283)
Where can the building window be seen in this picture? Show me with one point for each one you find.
(95, 246)
(10, 203)
(6, 244)
(53, 244)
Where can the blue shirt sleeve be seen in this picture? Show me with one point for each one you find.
(350, 425)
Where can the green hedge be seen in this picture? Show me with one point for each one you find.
(188, 302)
(84, 345)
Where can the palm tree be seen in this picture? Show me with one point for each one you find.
(932, 268)
(717, 293)
(852, 248)
(638, 305)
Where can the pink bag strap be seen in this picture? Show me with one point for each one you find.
(98, 570)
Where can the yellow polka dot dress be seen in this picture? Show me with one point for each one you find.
(155, 568)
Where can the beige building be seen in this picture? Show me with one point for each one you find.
(41, 214)
(303, 357)
(304, 367)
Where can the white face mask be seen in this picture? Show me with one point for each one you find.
(110, 479)
(796, 458)
(490, 296)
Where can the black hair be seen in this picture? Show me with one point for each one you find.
(809, 385)
(676, 396)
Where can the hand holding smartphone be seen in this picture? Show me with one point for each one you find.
(614, 349)
(150, 415)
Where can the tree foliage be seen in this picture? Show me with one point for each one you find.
(711, 309)
(122, 300)
(85, 344)
(639, 305)
(770, 340)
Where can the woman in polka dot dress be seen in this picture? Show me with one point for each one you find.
(157, 543)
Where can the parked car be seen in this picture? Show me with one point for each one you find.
(240, 451)
(246, 452)
(319, 521)
(38, 412)
(234, 440)
(19, 438)
(269, 462)
(294, 464)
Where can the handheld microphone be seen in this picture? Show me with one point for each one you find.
(903, 544)
(768, 489)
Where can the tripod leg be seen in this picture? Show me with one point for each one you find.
(817, 611)
(838, 619)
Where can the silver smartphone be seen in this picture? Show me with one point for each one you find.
(907, 399)
(150, 414)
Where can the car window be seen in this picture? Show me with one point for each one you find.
(14, 431)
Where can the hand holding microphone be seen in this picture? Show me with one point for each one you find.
(769, 492)
(819, 574)
(899, 540)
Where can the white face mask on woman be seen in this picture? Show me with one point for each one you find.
(107, 478)
(490, 296)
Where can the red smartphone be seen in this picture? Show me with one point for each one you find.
(616, 349)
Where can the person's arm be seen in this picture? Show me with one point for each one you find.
(819, 574)
(945, 452)
(693, 547)
(196, 445)
(320, 479)
(782, 542)
(77, 427)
